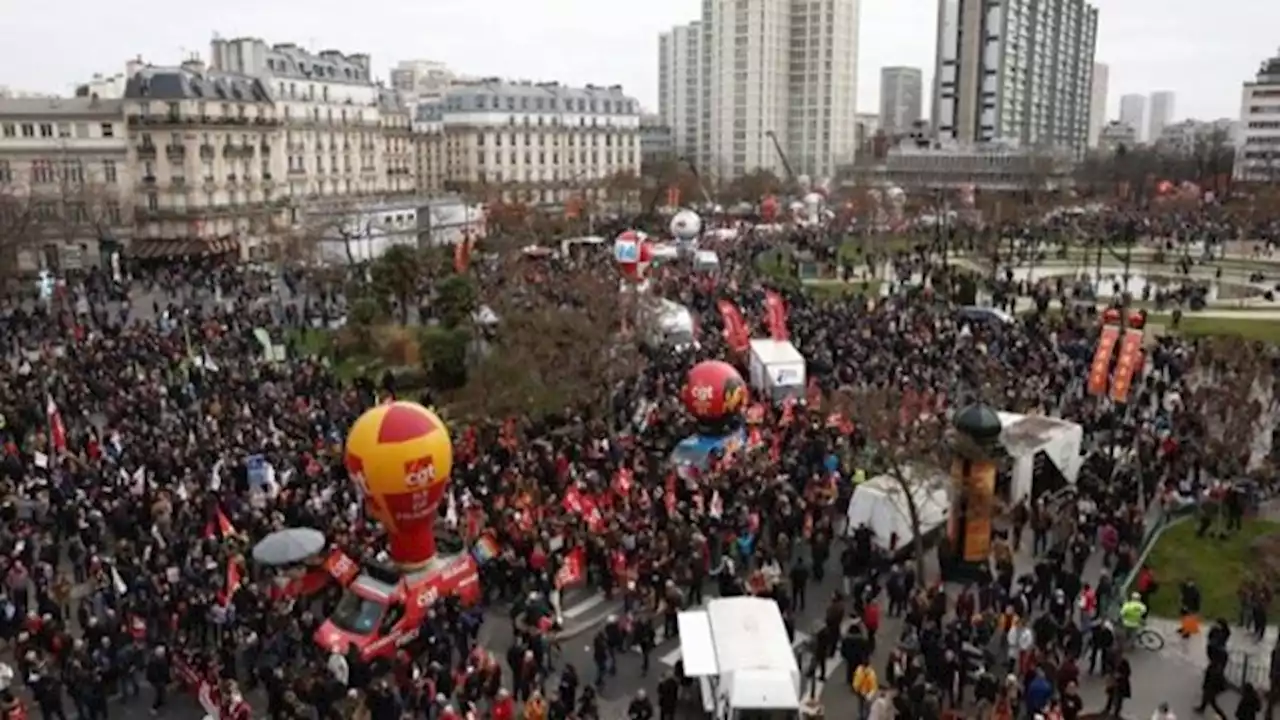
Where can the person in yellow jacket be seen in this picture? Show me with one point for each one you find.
(865, 686)
(535, 708)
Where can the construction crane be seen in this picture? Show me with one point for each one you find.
(660, 189)
(706, 196)
(791, 176)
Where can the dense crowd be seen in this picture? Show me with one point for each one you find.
(122, 517)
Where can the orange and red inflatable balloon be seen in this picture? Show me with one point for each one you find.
(400, 455)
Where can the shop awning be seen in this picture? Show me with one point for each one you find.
(150, 249)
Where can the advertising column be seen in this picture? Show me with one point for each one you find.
(975, 450)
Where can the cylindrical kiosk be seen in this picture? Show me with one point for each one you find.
(975, 450)
(400, 455)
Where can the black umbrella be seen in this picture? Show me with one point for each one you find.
(288, 546)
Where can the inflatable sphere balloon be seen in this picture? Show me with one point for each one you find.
(633, 253)
(714, 390)
(805, 182)
(399, 455)
(686, 225)
(768, 208)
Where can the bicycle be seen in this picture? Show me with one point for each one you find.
(1147, 639)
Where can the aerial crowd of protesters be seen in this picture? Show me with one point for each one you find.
(130, 409)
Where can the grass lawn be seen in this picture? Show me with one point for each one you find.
(1217, 566)
(1266, 330)
(855, 248)
(826, 289)
(319, 342)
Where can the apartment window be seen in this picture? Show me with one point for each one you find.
(6, 173)
(10, 130)
(153, 202)
(46, 130)
(28, 130)
(109, 170)
(41, 171)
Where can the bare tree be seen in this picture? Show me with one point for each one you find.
(556, 343)
(19, 227)
(1233, 401)
(904, 438)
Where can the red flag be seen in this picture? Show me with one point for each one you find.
(813, 394)
(669, 493)
(573, 570)
(736, 333)
(57, 431)
(775, 315)
(220, 525)
(224, 524)
(754, 438)
(233, 584)
(462, 255)
(623, 481)
(509, 439)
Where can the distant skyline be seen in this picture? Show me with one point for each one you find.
(1200, 51)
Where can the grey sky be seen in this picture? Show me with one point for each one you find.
(1200, 50)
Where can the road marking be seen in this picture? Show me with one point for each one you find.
(580, 608)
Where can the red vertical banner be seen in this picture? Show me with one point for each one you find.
(736, 333)
(775, 315)
(673, 196)
(1101, 367)
(1128, 363)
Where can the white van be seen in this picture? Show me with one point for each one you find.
(777, 369)
(738, 651)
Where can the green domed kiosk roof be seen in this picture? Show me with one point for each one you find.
(979, 421)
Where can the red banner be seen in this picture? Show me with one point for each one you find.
(341, 568)
(1101, 367)
(623, 481)
(585, 507)
(574, 569)
(775, 315)
(736, 332)
(1128, 363)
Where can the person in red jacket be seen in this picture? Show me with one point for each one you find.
(504, 707)
(871, 617)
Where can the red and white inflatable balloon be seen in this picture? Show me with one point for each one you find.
(633, 253)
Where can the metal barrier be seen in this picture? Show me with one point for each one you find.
(1248, 667)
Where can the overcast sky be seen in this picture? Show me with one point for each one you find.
(1200, 50)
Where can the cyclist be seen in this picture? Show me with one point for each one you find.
(1133, 615)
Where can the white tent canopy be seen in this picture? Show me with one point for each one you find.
(881, 504)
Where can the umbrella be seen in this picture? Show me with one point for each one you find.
(288, 546)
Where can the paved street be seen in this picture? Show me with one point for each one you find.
(1172, 675)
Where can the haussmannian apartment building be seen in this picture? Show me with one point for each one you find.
(533, 142)
(64, 161)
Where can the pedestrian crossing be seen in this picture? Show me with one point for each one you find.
(580, 609)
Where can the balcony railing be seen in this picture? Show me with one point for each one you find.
(146, 151)
(170, 119)
(175, 151)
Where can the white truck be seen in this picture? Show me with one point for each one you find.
(777, 370)
(738, 651)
